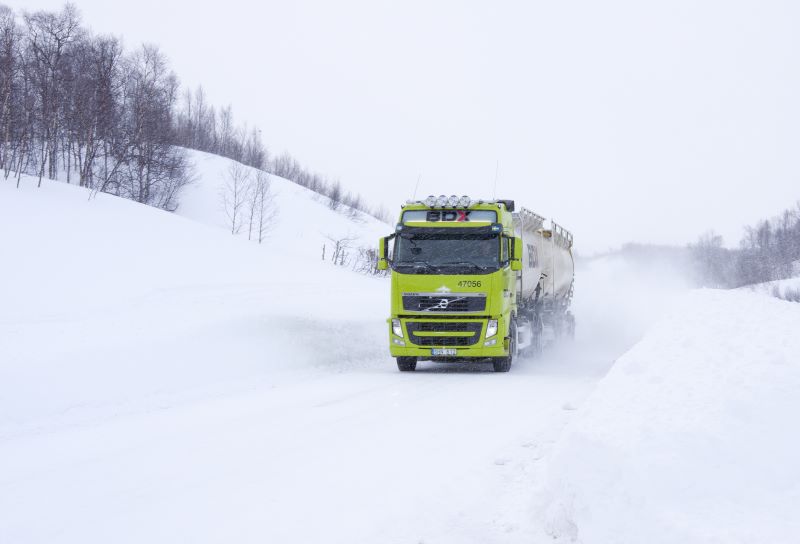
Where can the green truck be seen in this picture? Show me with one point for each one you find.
(475, 280)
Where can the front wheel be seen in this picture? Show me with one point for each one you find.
(407, 364)
(503, 364)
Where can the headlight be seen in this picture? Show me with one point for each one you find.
(441, 201)
(397, 329)
(464, 201)
(491, 328)
(430, 201)
(453, 201)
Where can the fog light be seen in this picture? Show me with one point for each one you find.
(398, 342)
(490, 343)
(430, 201)
(397, 329)
(464, 201)
(491, 328)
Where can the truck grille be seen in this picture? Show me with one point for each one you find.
(428, 302)
(444, 327)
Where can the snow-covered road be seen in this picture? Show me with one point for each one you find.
(365, 455)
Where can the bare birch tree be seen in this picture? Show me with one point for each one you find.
(235, 195)
(262, 207)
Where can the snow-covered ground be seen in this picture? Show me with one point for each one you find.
(691, 436)
(163, 381)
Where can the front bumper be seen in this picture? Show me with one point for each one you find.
(467, 335)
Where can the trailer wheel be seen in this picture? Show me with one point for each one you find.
(570, 326)
(536, 347)
(407, 364)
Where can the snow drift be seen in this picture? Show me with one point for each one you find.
(690, 437)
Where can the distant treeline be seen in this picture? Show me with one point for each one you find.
(76, 106)
(769, 250)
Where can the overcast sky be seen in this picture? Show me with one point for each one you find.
(623, 120)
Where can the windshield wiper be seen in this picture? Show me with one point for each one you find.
(467, 263)
(423, 265)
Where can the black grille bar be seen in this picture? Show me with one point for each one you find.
(444, 303)
(474, 327)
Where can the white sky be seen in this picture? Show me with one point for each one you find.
(624, 120)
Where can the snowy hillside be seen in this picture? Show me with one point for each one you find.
(690, 437)
(110, 287)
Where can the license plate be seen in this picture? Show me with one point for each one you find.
(443, 351)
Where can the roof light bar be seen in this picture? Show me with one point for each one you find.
(442, 201)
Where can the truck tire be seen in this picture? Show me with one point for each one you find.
(535, 349)
(503, 364)
(570, 326)
(407, 364)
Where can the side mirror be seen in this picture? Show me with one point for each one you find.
(516, 254)
(383, 263)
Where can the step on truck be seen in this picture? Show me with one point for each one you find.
(475, 280)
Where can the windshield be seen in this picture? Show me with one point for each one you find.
(447, 253)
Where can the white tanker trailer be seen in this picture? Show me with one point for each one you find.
(546, 282)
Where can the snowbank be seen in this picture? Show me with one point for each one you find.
(691, 436)
(787, 289)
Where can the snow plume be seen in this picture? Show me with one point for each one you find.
(619, 295)
(687, 438)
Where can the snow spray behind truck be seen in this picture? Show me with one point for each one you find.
(475, 281)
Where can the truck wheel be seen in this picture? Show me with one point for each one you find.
(535, 349)
(503, 364)
(407, 364)
(570, 326)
